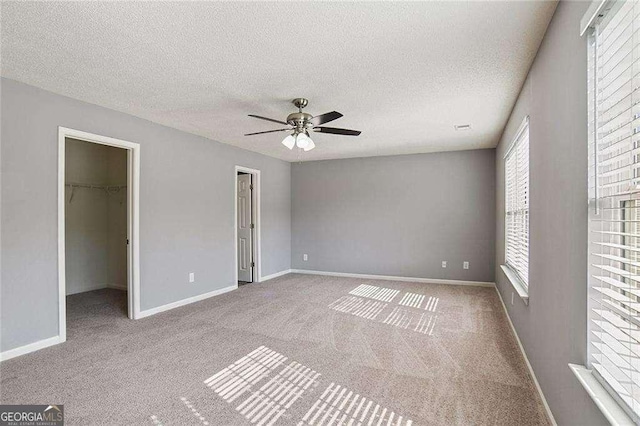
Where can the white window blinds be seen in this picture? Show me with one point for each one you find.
(614, 194)
(517, 205)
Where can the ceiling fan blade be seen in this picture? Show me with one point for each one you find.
(336, 131)
(325, 118)
(268, 131)
(268, 119)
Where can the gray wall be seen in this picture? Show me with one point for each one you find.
(95, 222)
(400, 215)
(186, 208)
(553, 327)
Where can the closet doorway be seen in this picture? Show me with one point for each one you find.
(247, 225)
(98, 239)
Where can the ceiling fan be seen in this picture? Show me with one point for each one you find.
(300, 123)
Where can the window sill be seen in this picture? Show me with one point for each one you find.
(516, 283)
(605, 402)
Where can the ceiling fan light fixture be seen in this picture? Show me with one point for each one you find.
(310, 145)
(300, 124)
(289, 141)
(302, 141)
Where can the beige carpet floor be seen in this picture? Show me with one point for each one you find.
(295, 350)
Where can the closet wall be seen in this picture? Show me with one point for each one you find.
(117, 219)
(95, 221)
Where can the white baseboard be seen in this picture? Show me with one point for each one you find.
(394, 278)
(31, 347)
(122, 287)
(173, 305)
(276, 275)
(92, 287)
(524, 354)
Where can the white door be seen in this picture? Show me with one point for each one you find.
(245, 249)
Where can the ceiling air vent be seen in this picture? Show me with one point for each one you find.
(462, 126)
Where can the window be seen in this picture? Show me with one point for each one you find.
(516, 219)
(614, 203)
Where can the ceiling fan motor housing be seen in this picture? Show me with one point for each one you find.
(300, 120)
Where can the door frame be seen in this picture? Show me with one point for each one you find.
(255, 213)
(133, 220)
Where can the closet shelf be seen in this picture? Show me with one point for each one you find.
(108, 189)
(93, 186)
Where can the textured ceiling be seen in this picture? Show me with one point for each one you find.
(402, 73)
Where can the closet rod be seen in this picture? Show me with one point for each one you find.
(92, 186)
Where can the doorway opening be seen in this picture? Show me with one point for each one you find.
(247, 225)
(98, 181)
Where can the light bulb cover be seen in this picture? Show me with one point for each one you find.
(289, 141)
(310, 145)
(302, 140)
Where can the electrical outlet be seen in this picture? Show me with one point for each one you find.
(444, 263)
(305, 257)
(192, 277)
(465, 265)
(512, 298)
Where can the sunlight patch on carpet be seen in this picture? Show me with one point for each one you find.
(414, 300)
(238, 378)
(374, 292)
(426, 324)
(409, 319)
(275, 397)
(341, 406)
(359, 307)
(194, 411)
(432, 304)
(266, 400)
(409, 315)
(155, 420)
